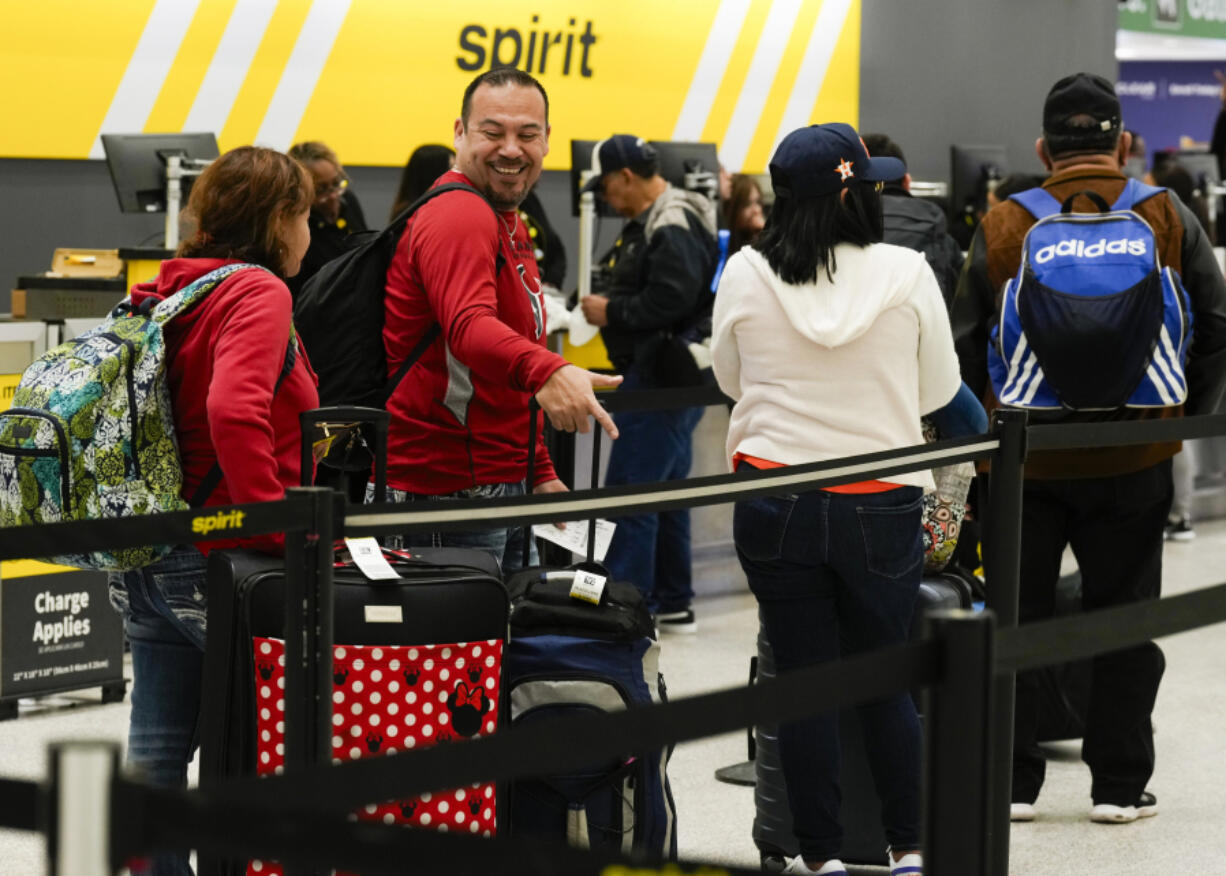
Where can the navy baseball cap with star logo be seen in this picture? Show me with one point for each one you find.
(822, 159)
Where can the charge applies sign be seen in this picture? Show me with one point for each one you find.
(58, 630)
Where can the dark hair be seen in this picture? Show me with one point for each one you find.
(880, 145)
(1017, 182)
(801, 233)
(239, 203)
(1172, 175)
(744, 187)
(646, 169)
(426, 164)
(494, 78)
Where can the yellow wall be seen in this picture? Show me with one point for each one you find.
(375, 78)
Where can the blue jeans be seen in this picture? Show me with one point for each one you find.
(837, 575)
(507, 545)
(163, 608)
(652, 551)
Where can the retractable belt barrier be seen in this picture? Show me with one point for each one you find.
(304, 808)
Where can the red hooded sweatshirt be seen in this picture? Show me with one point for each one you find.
(225, 356)
(460, 415)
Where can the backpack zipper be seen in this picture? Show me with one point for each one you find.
(62, 453)
(130, 385)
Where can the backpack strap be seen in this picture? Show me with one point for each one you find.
(1038, 202)
(1134, 193)
(432, 333)
(213, 478)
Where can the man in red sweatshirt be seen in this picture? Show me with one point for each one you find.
(459, 424)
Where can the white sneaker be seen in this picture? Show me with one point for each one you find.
(1109, 813)
(907, 865)
(833, 867)
(1022, 812)
(677, 621)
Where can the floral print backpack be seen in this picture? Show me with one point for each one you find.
(90, 434)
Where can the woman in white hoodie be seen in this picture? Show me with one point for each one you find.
(834, 344)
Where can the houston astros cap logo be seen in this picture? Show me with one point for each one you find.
(845, 170)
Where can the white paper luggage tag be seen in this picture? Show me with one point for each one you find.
(588, 586)
(368, 556)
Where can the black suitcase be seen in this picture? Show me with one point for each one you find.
(573, 655)
(863, 836)
(443, 596)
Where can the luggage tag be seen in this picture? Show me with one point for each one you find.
(368, 557)
(588, 586)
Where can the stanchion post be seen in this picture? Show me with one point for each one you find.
(308, 637)
(80, 828)
(958, 743)
(1002, 561)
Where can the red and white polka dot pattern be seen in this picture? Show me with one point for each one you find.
(387, 699)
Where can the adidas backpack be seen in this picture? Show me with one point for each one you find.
(1092, 320)
(339, 314)
(91, 433)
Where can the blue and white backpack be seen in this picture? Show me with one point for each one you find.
(1092, 320)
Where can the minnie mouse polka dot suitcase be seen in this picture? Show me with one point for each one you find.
(418, 662)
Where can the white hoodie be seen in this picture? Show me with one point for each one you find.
(826, 370)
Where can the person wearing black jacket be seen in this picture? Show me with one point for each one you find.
(335, 215)
(916, 223)
(1110, 504)
(655, 286)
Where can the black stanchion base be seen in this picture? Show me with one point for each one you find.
(737, 774)
(114, 693)
(8, 710)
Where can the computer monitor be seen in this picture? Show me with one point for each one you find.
(581, 160)
(1203, 168)
(973, 170)
(138, 166)
(692, 166)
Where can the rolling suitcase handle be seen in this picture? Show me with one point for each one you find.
(377, 417)
(533, 410)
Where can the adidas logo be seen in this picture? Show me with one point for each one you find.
(1079, 249)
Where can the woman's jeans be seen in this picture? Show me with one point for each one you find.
(163, 608)
(837, 575)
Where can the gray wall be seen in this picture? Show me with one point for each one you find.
(933, 73)
(942, 72)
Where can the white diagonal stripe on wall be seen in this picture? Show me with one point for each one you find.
(762, 69)
(298, 80)
(229, 66)
(147, 70)
(725, 30)
(831, 20)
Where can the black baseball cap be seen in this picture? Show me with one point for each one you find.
(1093, 99)
(616, 152)
(821, 159)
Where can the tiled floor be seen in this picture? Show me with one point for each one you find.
(714, 818)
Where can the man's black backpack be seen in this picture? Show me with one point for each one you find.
(339, 315)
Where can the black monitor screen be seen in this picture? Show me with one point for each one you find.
(138, 166)
(693, 166)
(581, 160)
(971, 170)
(1202, 166)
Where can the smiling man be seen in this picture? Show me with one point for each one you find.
(459, 425)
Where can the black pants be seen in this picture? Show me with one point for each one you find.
(1114, 526)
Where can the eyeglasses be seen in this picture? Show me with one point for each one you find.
(323, 191)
